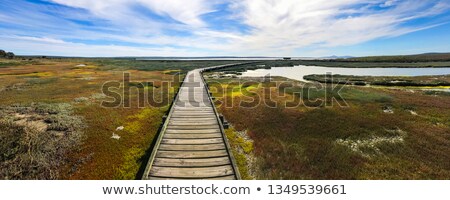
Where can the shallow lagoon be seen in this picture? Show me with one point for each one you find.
(298, 72)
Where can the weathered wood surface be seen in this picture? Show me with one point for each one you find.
(192, 172)
(192, 144)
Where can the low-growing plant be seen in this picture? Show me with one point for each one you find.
(41, 81)
(35, 146)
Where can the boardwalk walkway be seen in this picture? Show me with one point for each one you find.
(192, 144)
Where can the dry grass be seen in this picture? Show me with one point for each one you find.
(34, 140)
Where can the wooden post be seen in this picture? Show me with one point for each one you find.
(226, 125)
(222, 119)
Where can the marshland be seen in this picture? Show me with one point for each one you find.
(53, 124)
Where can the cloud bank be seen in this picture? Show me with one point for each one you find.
(207, 27)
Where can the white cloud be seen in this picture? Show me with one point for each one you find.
(388, 3)
(286, 25)
(272, 27)
(187, 12)
(45, 40)
(48, 46)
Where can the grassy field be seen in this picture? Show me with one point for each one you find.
(374, 134)
(43, 97)
(158, 65)
(123, 63)
(405, 58)
(52, 124)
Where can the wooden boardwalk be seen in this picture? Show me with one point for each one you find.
(192, 143)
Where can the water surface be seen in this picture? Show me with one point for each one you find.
(297, 72)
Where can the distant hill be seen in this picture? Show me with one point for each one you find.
(427, 57)
(337, 57)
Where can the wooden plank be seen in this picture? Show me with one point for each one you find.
(193, 97)
(193, 123)
(194, 127)
(197, 89)
(185, 108)
(187, 94)
(193, 131)
(193, 114)
(192, 136)
(188, 111)
(192, 141)
(192, 84)
(189, 117)
(196, 147)
(188, 105)
(207, 172)
(211, 113)
(230, 177)
(193, 90)
(190, 102)
(193, 111)
(183, 119)
(191, 154)
(203, 162)
(194, 100)
(193, 103)
(206, 114)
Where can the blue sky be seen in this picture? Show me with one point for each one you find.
(224, 27)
